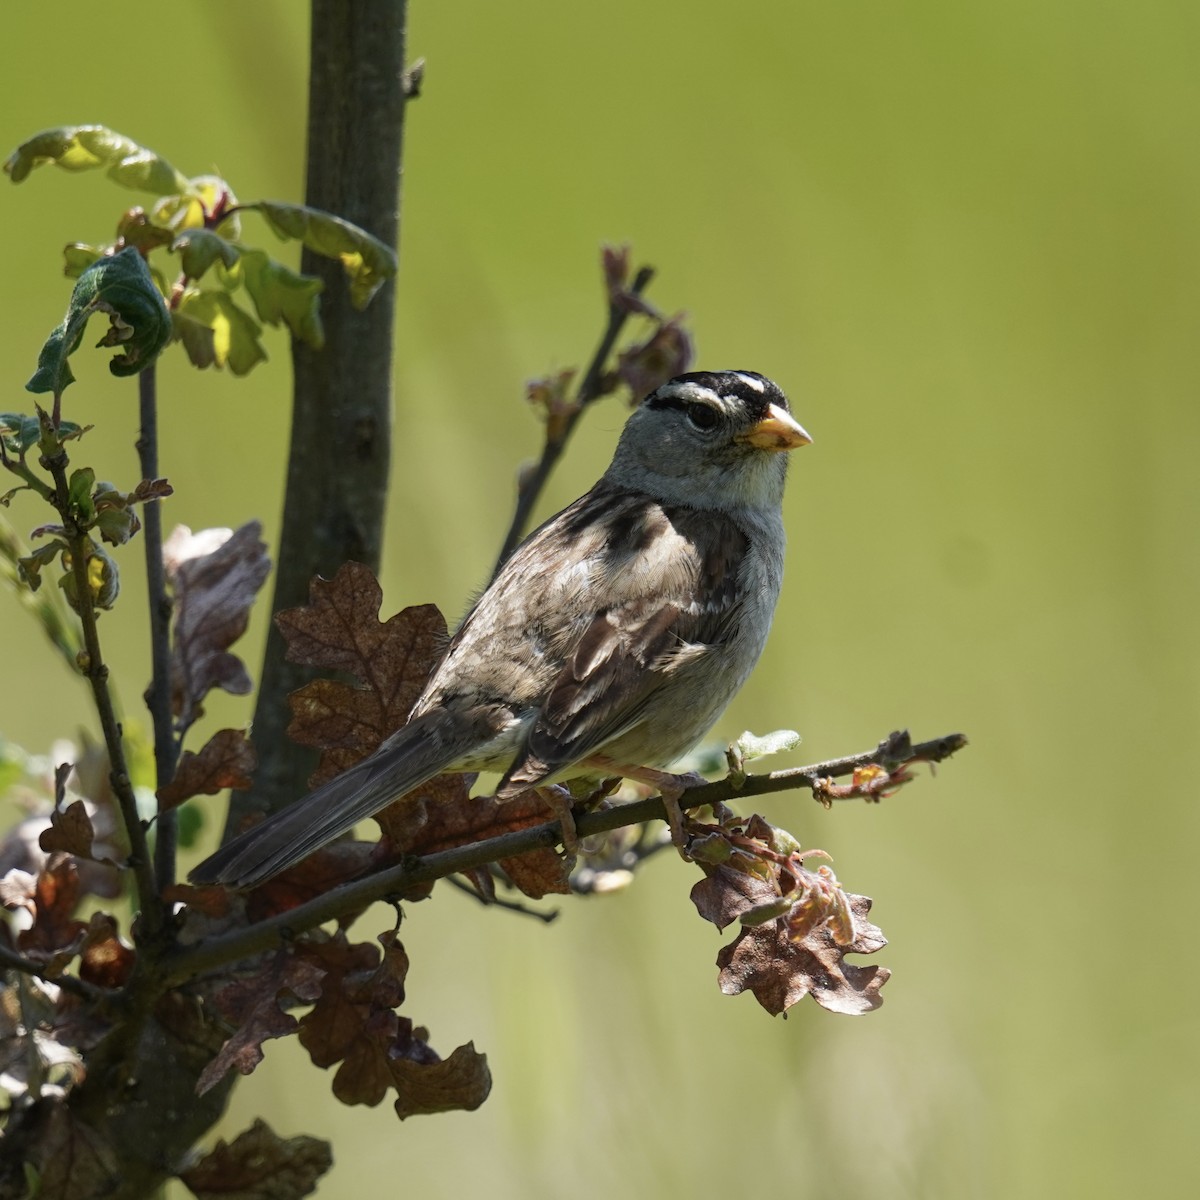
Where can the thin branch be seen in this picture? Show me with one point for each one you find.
(158, 695)
(96, 672)
(69, 983)
(546, 915)
(589, 389)
(184, 964)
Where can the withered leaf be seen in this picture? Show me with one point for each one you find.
(339, 629)
(451, 816)
(461, 1081)
(354, 1023)
(254, 1006)
(215, 576)
(105, 960)
(70, 831)
(666, 353)
(360, 984)
(260, 1165)
(54, 936)
(725, 893)
(781, 971)
(226, 760)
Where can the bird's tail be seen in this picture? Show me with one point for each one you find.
(423, 748)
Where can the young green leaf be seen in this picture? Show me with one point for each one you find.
(368, 262)
(78, 256)
(121, 286)
(280, 294)
(103, 580)
(205, 197)
(21, 432)
(29, 566)
(198, 249)
(79, 494)
(215, 332)
(89, 147)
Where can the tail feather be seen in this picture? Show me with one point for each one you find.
(424, 748)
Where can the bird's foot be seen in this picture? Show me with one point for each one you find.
(562, 803)
(670, 788)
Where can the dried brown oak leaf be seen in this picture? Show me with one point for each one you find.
(226, 760)
(442, 814)
(215, 575)
(339, 629)
(354, 1024)
(70, 830)
(781, 971)
(254, 1006)
(260, 1165)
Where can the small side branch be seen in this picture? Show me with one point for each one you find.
(96, 672)
(184, 964)
(589, 390)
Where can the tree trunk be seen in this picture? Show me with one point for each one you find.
(341, 417)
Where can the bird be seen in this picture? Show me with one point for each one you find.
(610, 641)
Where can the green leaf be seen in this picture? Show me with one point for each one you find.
(138, 230)
(367, 261)
(79, 494)
(78, 256)
(198, 249)
(206, 194)
(21, 432)
(103, 580)
(280, 294)
(751, 745)
(140, 325)
(89, 147)
(216, 332)
(29, 566)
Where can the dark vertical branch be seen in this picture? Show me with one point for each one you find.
(341, 418)
(158, 694)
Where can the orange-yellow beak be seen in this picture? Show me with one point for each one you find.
(778, 430)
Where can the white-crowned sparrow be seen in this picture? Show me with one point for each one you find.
(618, 631)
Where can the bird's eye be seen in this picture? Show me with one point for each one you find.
(702, 417)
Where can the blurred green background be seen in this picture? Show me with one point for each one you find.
(964, 239)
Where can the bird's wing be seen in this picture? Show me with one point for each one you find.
(672, 575)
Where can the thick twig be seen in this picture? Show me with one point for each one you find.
(352, 897)
(158, 694)
(589, 390)
(69, 983)
(96, 672)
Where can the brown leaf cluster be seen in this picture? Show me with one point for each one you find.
(798, 924)
(355, 1027)
(260, 1165)
(54, 936)
(339, 629)
(214, 576)
(354, 989)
